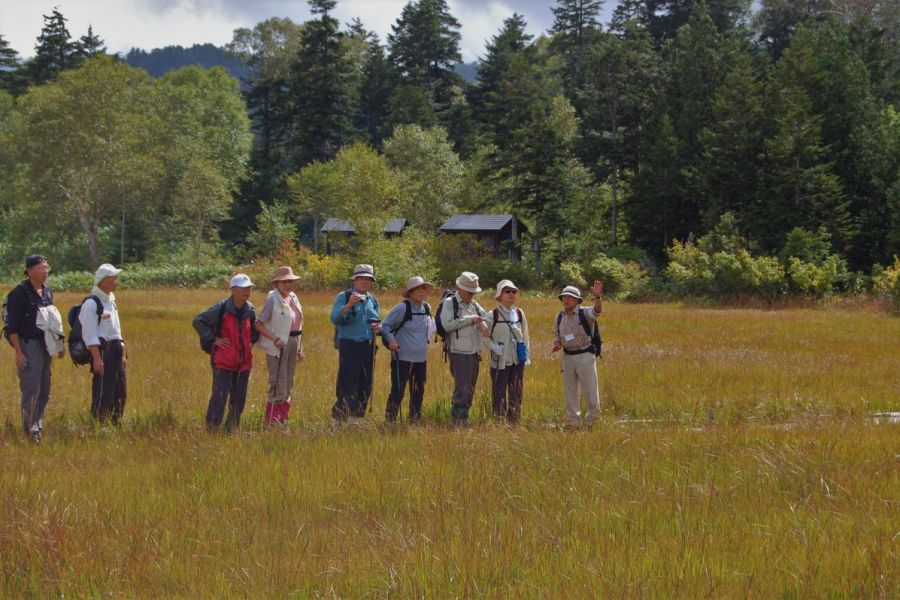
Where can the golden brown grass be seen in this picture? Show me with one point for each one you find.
(791, 490)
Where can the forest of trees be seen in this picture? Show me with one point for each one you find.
(676, 122)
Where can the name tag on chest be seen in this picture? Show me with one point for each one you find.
(570, 337)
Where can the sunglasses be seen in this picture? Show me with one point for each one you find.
(508, 291)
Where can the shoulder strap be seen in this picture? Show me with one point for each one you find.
(407, 316)
(99, 306)
(584, 323)
(559, 317)
(496, 313)
(427, 308)
(217, 330)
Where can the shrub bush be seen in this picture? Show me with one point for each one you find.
(140, 276)
(886, 284)
(623, 279)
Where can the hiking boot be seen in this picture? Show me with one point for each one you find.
(35, 436)
(335, 423)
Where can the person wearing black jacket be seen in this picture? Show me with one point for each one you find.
(32, 359)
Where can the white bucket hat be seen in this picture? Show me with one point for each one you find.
(468, 282)
(571, 290)
(105, 270)
(416, 282)
(241, 280)
(502, 285)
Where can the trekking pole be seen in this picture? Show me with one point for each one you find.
(372, 366)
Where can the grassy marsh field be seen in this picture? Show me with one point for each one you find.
(737, 456)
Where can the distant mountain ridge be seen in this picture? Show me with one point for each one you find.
(158, 61)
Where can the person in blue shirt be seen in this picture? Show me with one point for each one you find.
(357, 317)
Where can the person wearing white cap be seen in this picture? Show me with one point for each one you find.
(280, 325)
(227, 332)
(406, 331)
(357, 320)
(102, 334)
(509, 352)
(572, 334)
(462, 318)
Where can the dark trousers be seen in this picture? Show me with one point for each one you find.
(228, 387)
(34, 384)
(403, 372)
(464, 368)
(507, 391)
(109, 390)
(356, 361)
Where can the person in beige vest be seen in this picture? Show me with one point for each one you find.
(463, 320)
(579, 361)
(509, 352)
(280, 325)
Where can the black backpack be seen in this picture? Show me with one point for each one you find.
(596, 340)
(6, 311)
(408, 315)
(78, 350)
(437, 316)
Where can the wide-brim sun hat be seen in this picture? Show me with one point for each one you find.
(414, 283)
(504, 284)
(105, 270)
(363, 271)
(284, 274)
(571, 290)
(468, 282)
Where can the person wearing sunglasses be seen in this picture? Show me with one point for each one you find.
(507, 329)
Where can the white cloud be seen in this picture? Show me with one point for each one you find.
(148, 24)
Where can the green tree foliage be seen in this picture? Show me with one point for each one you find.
(81, 143)
(663, 18)
(375, 92)
(429, 175)
(734, 151)
(323, 95)
(423, 49)
(484, 94)
(90, 44)
(55, 51)
(424, 46)
(118, 158)
(574, 29)
(623, 77)
(267, 52)
(11, 79)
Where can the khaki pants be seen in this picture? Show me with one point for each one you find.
(580, 370)
(281, 371)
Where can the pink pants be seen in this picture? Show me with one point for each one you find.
(277, 413)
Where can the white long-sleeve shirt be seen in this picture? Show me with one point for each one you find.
(109, 327)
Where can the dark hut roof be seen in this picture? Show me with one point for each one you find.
(476, 222)
(340, 225)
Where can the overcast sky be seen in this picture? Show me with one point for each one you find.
(148, 24)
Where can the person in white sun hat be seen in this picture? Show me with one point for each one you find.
(509, 352)
(573, 333)
(406, 331)
(462, 318)
(102, 334)
(227, 332)
(280, 326)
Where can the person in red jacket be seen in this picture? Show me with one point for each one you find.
(227, 332)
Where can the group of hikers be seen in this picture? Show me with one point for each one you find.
(229, 329)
